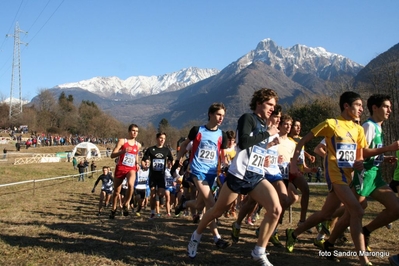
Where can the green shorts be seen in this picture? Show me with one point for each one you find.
(372, 180)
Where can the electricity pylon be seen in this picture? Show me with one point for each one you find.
(16, 87)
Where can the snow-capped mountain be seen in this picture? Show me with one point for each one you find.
(295, 71)
(14, 101)
(298, 58)
(136, 86)
(300, 63)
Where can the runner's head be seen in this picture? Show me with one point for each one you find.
(285, 124)
(105, 170)
(351, 103)
(216, 113)
(161, 137)
(261, 96)
(296, 127)
(276, 115)
(133, 130)
(263, 102)
(231, 136)
(380, 103)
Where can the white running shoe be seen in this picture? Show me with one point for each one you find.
(192, 248)
(261, 260)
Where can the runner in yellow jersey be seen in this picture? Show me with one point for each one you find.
(345, 141)
(369, 182)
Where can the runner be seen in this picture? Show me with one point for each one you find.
(106, 189)
(170, 188)
(369, 182)
(300, 181)
(208, 144)
(246, 175)
(158, 156)
(273, 175)
(127, 165)
(141, 186)
(229, 153)
(286, 150)
(343, 137)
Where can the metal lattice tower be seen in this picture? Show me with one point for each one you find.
(16, 88)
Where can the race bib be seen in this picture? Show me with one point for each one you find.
(257, 160)
(129, 159)
(346, 155)
(273, 158)
(169, 182)
(284, 169)
(158, 164)
(142, 180)
(206, 155)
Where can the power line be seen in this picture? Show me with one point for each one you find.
(47, 21)
(34, 22)
(6, 64)
(12, 23)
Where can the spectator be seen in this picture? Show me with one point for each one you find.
(74, 163)
(86, 163)
(4, 153)
(93, 167)
(81, 167)
(69, 156)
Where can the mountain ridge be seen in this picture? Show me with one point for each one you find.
(293, 71)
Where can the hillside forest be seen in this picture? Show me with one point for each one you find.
(63, 117)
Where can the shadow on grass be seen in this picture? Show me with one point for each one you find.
(69, 224)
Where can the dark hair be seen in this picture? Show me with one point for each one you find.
(132, 126)
(230, 134)
(261, 96)
(105, 167)
(377, 100)
(294, 120)
(215, 107)
(348, 97)
(277, 109)
(160, 134)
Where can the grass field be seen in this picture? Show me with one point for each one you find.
(56, 224)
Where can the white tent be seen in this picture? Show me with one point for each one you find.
(86, 149)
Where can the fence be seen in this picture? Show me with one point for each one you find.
(38, 158)
(34, 181)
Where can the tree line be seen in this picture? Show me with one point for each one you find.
(61, 116)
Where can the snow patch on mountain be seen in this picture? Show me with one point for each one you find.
(142, 85)
(14, 101)
(297, 58)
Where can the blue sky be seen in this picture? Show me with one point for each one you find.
(74, 40)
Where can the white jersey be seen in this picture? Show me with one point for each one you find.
(124, 184)
(248, 163)
(142, 179)
(169, 179)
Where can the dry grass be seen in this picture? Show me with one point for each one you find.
(58, 226)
